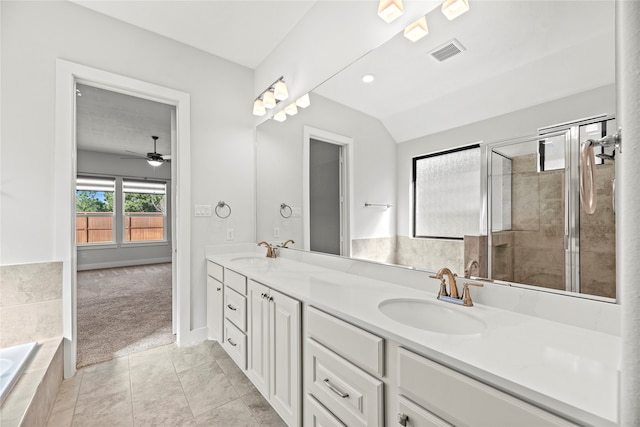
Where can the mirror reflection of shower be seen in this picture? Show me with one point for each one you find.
(540, 234)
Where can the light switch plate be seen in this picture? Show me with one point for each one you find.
(202, 210)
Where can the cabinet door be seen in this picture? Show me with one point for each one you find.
(258, 335)
(285, 357)
(215, 311)
(412, 415)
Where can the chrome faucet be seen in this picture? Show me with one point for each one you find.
(271, 253)
(453, 297)
(284, 245)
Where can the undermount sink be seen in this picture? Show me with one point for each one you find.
(432, 316)
(254, 260)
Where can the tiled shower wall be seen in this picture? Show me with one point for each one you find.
(428, 254)
(532, 252)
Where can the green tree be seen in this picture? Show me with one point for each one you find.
(88, 201)
(141, 202)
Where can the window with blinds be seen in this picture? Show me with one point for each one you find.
(144, 210)
(95, 210)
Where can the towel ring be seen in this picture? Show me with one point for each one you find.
(222, 205)
(283, 210)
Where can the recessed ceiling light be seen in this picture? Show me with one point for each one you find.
(368, 78)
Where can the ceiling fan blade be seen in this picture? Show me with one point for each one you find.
(166, 156)
(139, 154)
(133, 158)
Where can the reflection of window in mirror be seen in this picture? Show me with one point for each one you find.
(551, 153)
(446, 187)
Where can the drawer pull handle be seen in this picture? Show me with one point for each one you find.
(231, 342)
(335, 389)
(231, 307)
(403, 419)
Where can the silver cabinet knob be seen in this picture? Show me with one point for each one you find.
(403, 419)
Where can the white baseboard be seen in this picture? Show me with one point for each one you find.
(194, 337)
(127, 263)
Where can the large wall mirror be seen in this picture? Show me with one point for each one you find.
(518, 69)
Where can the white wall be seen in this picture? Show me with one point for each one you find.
(111, 165)
(34, 34)
(513, 125)
(279, 148)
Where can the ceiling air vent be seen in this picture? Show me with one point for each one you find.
(447, 50)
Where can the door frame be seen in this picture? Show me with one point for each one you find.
(346, 143)
(65, 163)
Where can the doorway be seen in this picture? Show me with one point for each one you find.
(68, 74)
(326, 189)
(123, 224)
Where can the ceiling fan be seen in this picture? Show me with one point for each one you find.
(154, 159)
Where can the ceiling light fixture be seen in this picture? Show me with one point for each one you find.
(454, 8)
(368, 78)
(303, 101)
(280, 116)
(389, 10)
(417, 30)
(154, 162)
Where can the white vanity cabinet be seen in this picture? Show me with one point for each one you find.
(215, 311)
(274, 349)
(434, 395)
(339, 362)
(235, 317)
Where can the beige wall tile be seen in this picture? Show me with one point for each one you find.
(30, 322)
(28, 283)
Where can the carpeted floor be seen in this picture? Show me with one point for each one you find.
(122, 311)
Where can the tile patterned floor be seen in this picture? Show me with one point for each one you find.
(165, 386)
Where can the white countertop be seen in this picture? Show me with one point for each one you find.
(565, 369)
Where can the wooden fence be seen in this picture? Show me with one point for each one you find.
(94, 227)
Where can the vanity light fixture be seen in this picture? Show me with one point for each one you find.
(368, 78)
(258, 108)
(291, 109)
(389, 10)
(276, 92)
(417, 30)
(454, 8)
(268, 99)
(280, 91)
(280, 116)
(303, 101)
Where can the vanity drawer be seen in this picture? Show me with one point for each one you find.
(235, 308)
(317, 415)
(363, 348)
(418, 416)
(235, 343)
(215, 270)
(351, 394)
(441, 390)
(235, 281)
